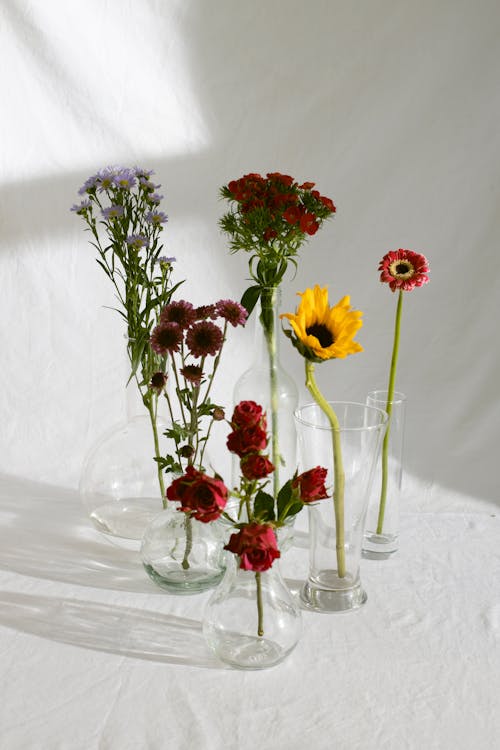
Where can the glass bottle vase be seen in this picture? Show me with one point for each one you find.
(268, 384)
(335, 537)
(381, 538)
(183, 555)
(245, 631)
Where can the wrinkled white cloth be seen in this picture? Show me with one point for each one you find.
(94, 657)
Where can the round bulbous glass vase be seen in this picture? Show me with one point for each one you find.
(247, 633)
(267, 383)
(381, 537)
(182, 555)
(119, 484)
(336, 530)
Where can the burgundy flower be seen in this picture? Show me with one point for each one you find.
(256, 546)
(166, 338)
(247, 440)
(311, 484)
(404, 269)
(248, 414)
(158, 382)
(232, 311)
(204, 338)
(206, 311)
(193, 373)
(180, 312)
(255, 466)
(203, 497)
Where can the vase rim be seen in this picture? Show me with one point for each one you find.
(383, 416)
(380, 394)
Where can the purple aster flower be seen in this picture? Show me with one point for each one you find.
(142, 173)
(147, 185)
(164, 261)
(125, 179)
(156, 217)
(180, 312)
(155, 198)
(204, 338)
(232, 311)
(137, 241)
(112, 212)
(88, 185)
(82, 208)
(166, 338)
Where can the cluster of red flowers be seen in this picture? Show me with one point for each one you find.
(181, 323)
(249, 439)
(284, 201)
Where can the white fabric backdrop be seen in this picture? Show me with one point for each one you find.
(391, 106)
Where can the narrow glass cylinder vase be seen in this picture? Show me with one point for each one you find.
(335, 538)
(268, 384)
(381, 538)
(248, 630)
(183, 555)
(120, 483)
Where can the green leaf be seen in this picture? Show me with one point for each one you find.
(250, 298)
(263, 507)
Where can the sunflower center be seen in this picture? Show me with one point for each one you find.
(322, 333)
(401, 269)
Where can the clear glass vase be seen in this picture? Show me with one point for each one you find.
(119, 482)
(183, 555)
(334, 583)
(245, 632)
(268, 384)
(381, 537)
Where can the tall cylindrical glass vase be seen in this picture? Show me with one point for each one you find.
(336, 526)
(381, 536)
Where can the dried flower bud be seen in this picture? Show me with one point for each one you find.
(158, 382)
(186, 451)
(218, 414)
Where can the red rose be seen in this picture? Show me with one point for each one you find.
(256, 546)
(201, 496)
(308, 223)
(256, 466)
(247, 414)
(311, 484)
(247, 440)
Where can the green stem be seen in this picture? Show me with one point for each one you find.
(260, 609)
(152, 416)
(338, 469)
(388, 408)
(189, 542)
(268, 303)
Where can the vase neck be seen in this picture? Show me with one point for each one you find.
(133, 401)
(267, 325)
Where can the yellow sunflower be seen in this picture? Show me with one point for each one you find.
(321, 332)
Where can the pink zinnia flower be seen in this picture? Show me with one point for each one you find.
(232, 311)
(181, 312)
(404, 269)
(166, 338)
(204, 338)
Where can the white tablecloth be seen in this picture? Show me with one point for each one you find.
(94, 657)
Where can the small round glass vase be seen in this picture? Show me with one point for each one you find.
(381, 538)
(183, 555)
(244, 632)
(335, 538)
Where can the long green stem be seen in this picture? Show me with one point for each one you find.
(152, 416)
(338, 469)
(260, 608)
(189, 541)
(388, 408)
(268, 303)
